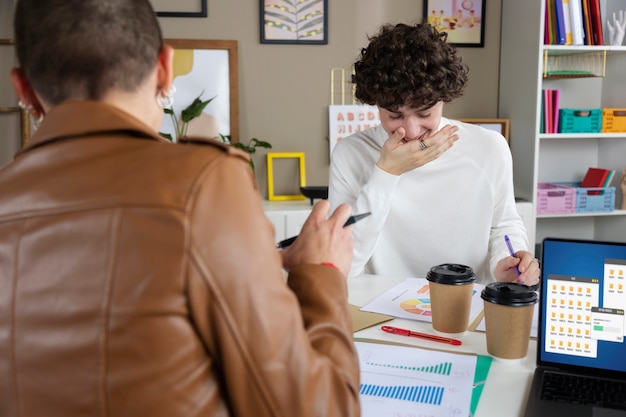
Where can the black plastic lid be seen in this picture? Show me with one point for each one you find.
(509, 294)
(451, 274)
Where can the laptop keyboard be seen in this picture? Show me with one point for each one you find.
(577, 389)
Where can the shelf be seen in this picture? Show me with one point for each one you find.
(562, 136)
(593, 214)
(574, 64)
(581, 49)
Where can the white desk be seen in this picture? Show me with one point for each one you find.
(508, 382)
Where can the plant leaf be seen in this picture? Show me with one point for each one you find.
(166, 136)
(194, 109)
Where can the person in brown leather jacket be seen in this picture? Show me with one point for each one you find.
(140, 277)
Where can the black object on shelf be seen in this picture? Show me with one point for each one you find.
(315, 191)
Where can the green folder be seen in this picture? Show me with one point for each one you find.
(483, 363)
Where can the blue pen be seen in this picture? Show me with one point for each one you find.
(511, 251)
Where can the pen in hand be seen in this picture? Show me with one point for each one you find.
(351, 220)
(511, 251)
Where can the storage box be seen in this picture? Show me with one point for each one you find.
(569, 197)
(555, 198)
(613, 120)
(580, 120)
(590, 200)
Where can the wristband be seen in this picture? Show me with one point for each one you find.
(332, 265)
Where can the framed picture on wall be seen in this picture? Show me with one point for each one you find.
(296, 22)
(462, 20)
(180, 8)
(499, 125)
(208, 70)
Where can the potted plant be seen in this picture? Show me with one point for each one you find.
(194, 110)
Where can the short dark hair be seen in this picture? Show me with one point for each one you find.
(409, 65)
(80, 49)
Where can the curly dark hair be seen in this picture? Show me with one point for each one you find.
(409, 65)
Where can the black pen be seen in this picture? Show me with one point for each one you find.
(351, 220)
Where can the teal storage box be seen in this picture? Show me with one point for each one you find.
(580, 120)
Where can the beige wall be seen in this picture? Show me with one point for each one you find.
(284, 90)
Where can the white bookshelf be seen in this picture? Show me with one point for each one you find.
(559, 157)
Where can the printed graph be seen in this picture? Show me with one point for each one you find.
(418, 394)
(397, 380)
(440, 369)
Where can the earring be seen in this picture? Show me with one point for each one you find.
(29, 108)
(38, 121)
(23, 106)
(167, 101)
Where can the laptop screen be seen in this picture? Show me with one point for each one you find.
(583, 298)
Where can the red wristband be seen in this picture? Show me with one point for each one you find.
(332, 265)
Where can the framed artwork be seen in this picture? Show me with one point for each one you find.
(206, 69)
(301, 172)
(462, 20)
(499, 125)
(295, 22)
(180, 8)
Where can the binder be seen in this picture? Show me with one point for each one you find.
(567, 22)
(587, 22)
(560, 22)
(576, 22)
(596, 22)
(556, 94)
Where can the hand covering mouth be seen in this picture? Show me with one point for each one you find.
(421, 138)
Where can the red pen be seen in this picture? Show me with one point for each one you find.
(431, 337)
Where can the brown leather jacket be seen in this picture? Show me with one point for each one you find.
(141, 278)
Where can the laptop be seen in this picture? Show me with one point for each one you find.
(580, 338)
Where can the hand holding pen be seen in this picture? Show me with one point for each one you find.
(324, 239)
(351, 220)
(530, 271)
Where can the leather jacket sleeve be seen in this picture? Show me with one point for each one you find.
(279, 348)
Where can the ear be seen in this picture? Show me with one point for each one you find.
(165, 69)
(26, 94)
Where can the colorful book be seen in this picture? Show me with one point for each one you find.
(560, 22)
(596, 22)
(607, 183)
(576, 22)
(567, 20)
(595, 178)
(556, 96)
(587, 22)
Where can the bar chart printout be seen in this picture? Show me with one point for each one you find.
(399, 380)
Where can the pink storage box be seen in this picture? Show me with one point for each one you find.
(555, 198)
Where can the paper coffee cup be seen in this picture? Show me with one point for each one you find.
(450, 287)
(509, 311)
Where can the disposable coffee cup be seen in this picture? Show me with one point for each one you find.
(450, 287)
(509, 312)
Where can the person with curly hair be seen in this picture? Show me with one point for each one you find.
(439, 190)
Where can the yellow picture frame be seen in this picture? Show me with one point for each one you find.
(271, 157)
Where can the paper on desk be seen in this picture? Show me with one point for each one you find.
(363, 319)
(397, 380)
(410, 299)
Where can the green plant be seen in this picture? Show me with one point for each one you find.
(189, 113)
(194, 110)
(250, 148)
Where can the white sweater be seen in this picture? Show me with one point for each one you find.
(455, 209)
